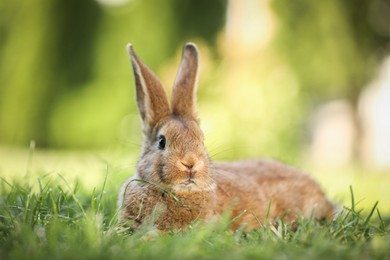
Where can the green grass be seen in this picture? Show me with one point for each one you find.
(49, 215)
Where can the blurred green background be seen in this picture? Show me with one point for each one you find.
(267, 67)
(306, 82)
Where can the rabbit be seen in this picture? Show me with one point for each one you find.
(176, 182)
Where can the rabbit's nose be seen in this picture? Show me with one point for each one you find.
(190, 163)
(189, 160)
(189, 166)
(190, 169)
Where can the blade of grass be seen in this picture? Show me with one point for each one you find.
(157, 185)
(40, 185)
(53, 204)
(352, 199)
(58, 201)
(93, 199)
(73, 195)
(26, 206)
(382, 223)
(268, 211)
(37, 208)
(256, 218)
(104, 186)
(234, 219)
(6, 182)
(370, 215)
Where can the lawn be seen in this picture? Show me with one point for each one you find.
(63, 206)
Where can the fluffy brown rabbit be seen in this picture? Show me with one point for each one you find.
(177, 183)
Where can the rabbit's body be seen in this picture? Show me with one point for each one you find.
(252, 186)
(176, 182)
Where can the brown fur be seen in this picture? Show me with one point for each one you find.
(178, 184)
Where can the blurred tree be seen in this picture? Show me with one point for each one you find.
(64, 73)
(45, 49)
(95, 115)
(334, 46)
(200, 18)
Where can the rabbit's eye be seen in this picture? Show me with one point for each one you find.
(161, 142)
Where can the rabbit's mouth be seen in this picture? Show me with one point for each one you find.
(191, 185)
(188, 184)
(189, 181)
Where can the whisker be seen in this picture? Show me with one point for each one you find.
(133, 144)
(219, 149)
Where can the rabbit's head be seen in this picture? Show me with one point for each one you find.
(173, 152)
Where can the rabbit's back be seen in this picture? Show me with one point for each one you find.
(254, 185)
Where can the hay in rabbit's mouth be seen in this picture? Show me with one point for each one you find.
(192, 186)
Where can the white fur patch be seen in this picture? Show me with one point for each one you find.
(123, 189)
(193, 187)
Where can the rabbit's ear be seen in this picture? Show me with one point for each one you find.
(184, 96)
(151, 97)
